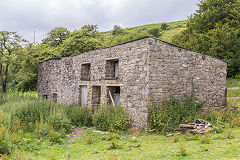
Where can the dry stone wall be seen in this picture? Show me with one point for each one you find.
(175, 72)
(148, 69)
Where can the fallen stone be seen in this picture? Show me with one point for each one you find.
(199, 126)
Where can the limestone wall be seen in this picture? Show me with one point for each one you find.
(63, 76)
(175, 72)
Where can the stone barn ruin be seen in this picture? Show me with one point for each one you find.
(132, 75)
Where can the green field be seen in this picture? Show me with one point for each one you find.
(225, 145)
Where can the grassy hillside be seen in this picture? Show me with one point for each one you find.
(165, 34)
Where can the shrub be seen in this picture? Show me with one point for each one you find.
(79, 116)
(164, 26)
(182, 151)
(55, 136)
(59, 122)
(154, 32)
(217, 129)
(171, 113)
(4, 145)
(108, 118)
(36, 111)
(117, 30)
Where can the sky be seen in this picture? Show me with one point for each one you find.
(41, 16)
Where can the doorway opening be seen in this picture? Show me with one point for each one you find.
(113, 93)
(96, 97)
(82, 95)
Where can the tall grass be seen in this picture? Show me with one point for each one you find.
(167, 117)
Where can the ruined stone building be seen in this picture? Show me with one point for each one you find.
(133, 74)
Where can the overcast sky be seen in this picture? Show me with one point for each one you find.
(25, 16)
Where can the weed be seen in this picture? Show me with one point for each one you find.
(182, 151)
(109, 118)
(235, 122)
(79, 116)
(55, 136)
(59, 122)
(171, 113)
(205, 139)
(204, 149)
(90, 139)
(4, 144)
(230, 134)
(114, 145)
(175, 138)
(217, 129)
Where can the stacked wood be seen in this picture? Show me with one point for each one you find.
(199, 126)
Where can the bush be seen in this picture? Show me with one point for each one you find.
(164, 26)
(79, 116)
(117, 30)
(154, 32)
(59, 122)
(4, 145)
(171, 113)
(109, 118)
(36, 111)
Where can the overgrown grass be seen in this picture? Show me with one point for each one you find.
(233, 82)
(167, 117)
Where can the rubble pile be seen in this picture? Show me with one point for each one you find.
(199, 126)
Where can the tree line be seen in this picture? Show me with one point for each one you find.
(214, 29)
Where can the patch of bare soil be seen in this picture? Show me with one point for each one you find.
(77, 133)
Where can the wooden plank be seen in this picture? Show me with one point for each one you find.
(233, 88)
(233, 98)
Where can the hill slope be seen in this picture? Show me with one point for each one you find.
(165, 34)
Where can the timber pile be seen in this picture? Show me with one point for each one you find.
(199, 126)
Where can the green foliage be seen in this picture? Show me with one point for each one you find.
(59, 122)
(10, 43)
(79, 116)
(109, 118)
(81, 41)
(117, 30)
(154, 32)
(171, 113)
(215, 30)
(233, 82)
(41, 110)
(182, 151)
(164, 26)
(4, 144)
(27, 64)
(217, 129)
(56, 36)
(205, 139)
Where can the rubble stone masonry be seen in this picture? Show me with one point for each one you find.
(148, 69)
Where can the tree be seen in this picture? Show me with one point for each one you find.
(215, 30)
(10, 42)
(28, 62)
(80, 41)
(56, 36)
(117, 30)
